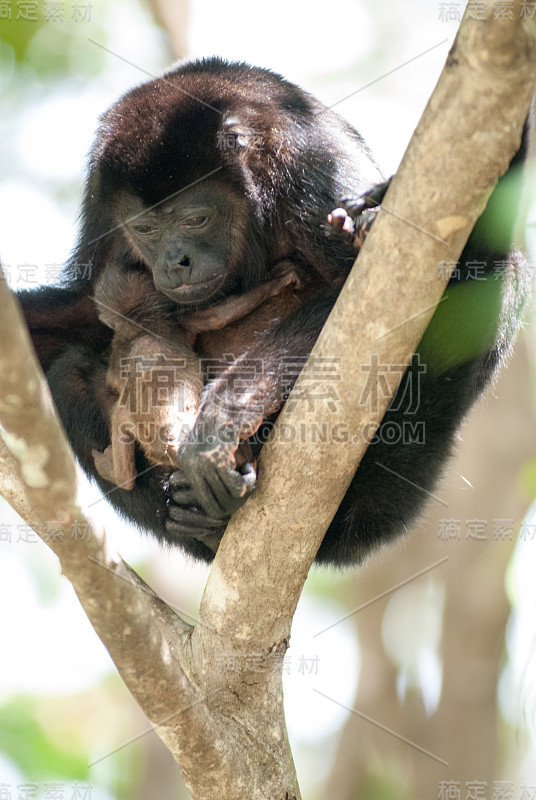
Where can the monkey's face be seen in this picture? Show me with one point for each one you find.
(190, 241)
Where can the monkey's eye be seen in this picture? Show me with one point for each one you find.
(195, 222)
(143, 228)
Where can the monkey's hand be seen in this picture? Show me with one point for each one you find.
(210, 476)
(353, 220)
(186, 519)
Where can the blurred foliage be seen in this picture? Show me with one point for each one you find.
(26, 742)
(527, 478)
(18, 33)
(503, 212)
(43, 36)
(329, 583)
(384, 784)
(84, 737)
(464, 324)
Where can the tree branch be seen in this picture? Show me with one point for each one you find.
(465, 140)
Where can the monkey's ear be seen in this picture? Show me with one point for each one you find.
(237, 130)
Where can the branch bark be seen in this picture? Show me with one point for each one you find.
(226, 726)
(174, 17)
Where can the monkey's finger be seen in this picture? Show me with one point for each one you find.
(229, 482)
(370, 199)
(184, 497)
(342, 224)
(226, 489)
(237, 482)
(179, 480)
(194, 519)
(192, 522)
(202, 494)
(210, 540)
(337, 219)
(249, 475)
(212, 495)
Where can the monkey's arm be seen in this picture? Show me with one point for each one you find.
(237, 306)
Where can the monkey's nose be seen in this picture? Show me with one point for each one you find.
(179, 269)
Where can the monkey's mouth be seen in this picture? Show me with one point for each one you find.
(195, 292)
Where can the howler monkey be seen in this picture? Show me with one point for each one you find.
(201, 185)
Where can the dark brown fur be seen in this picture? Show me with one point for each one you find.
(200, 183)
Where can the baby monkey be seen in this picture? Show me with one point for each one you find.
(155, 376)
